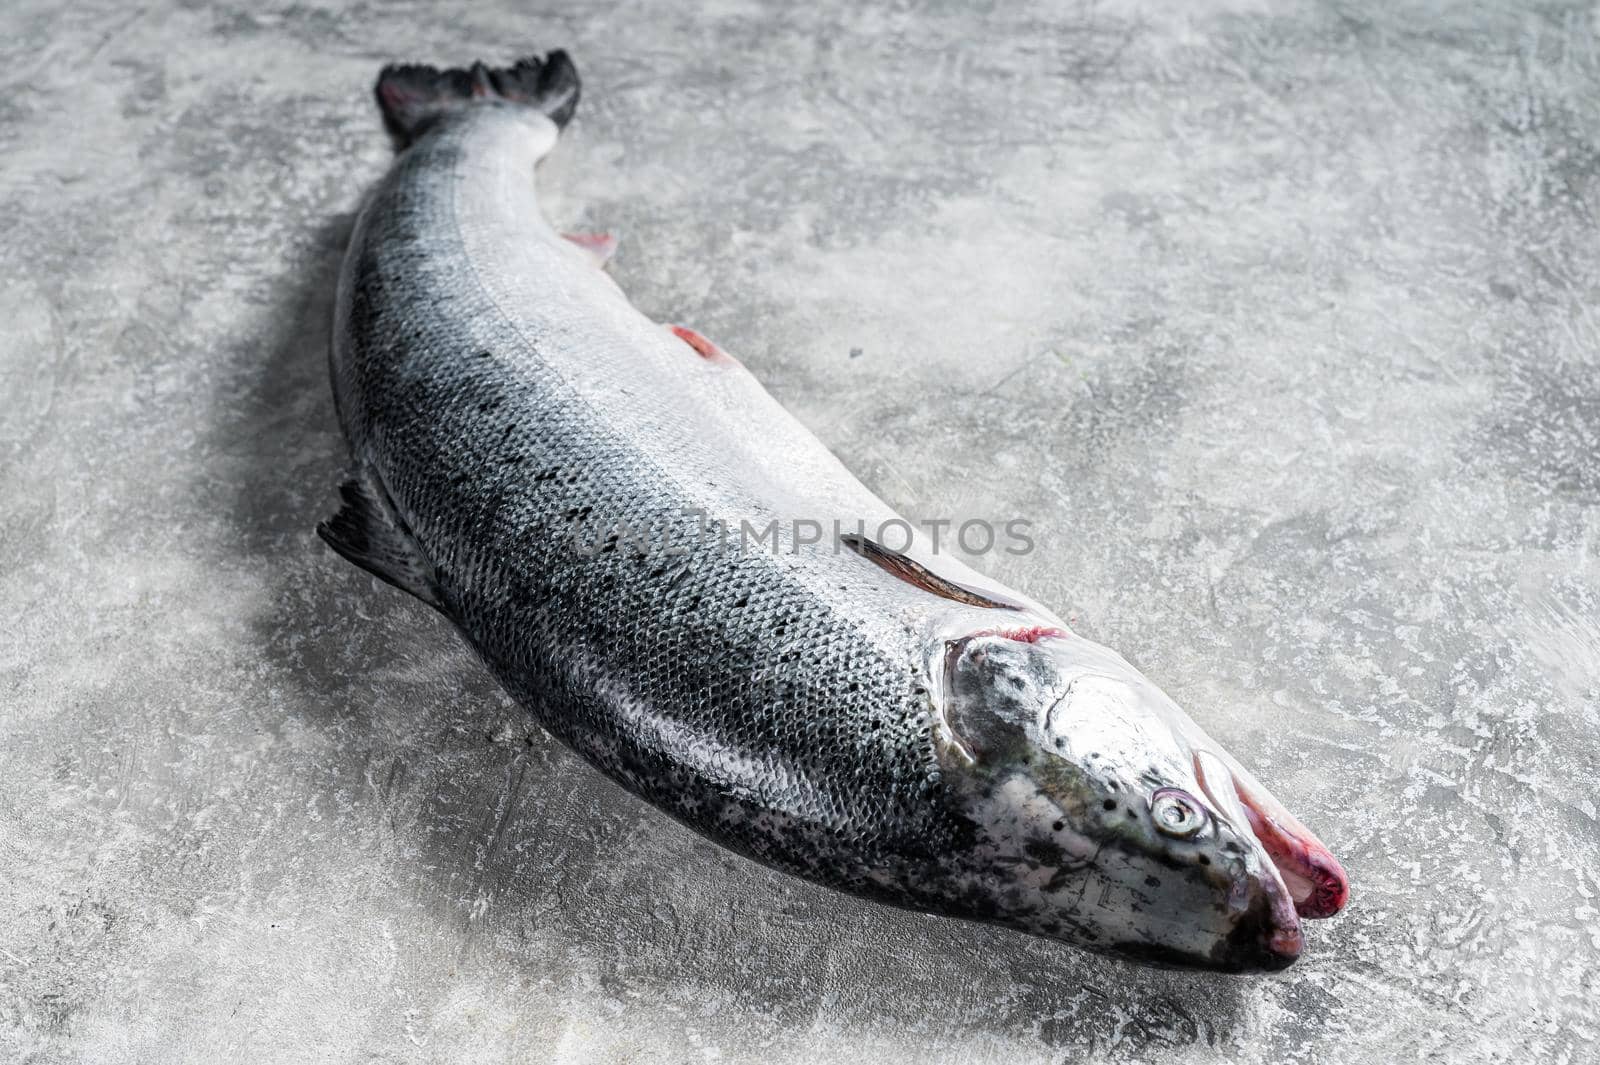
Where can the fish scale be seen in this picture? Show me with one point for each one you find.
(546, 466)
(469, 417)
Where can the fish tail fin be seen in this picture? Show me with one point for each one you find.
(413, 97)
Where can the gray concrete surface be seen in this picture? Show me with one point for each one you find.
(1277, 319)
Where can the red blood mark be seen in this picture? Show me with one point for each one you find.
(1329, 897)
(1032, 634)
(1289, 942)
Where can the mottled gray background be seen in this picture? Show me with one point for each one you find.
(1276, 318)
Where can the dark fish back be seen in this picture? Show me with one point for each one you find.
(725, 686)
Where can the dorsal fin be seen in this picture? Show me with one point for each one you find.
(915, 573)
(369, 532)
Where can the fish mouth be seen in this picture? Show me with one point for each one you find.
(1306, 869)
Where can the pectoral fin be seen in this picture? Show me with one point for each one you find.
(915, 573)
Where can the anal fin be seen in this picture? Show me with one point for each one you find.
(370, 533)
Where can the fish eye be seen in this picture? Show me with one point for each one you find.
(1177, 813)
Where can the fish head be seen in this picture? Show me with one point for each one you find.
(1101, 814)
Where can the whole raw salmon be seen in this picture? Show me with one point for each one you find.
(625, 525)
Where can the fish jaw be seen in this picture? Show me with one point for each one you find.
(1084, 879)
(1313, 876)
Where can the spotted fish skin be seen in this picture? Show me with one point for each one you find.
(513, 410)
(573, 485)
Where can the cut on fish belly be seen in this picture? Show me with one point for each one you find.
(575, 486)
